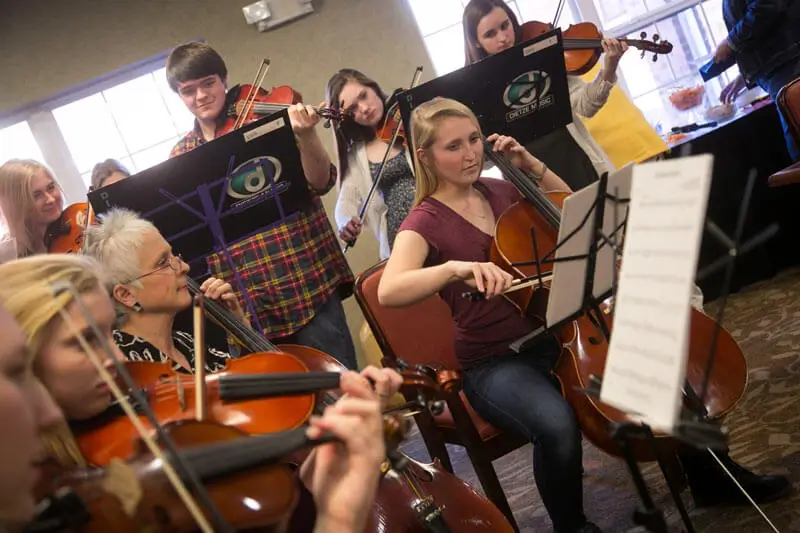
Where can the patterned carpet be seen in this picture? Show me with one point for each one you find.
(764, 432)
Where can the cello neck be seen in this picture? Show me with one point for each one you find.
(244, 334)
(529, 190)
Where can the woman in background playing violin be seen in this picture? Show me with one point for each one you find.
(361, 150)
(341, 478)
(490, 27)
(31, 201)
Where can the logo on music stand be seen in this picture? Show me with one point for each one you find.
(255, 177)
(526, 94)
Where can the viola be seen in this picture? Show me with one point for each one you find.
(70, 230)
(247, 103)
(135, 495)
(582, 44)
(584, 344)
(420, 498)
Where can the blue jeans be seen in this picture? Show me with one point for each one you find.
(772, 84)
(327, 332)
(517, 393)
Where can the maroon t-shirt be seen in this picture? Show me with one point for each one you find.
(482, 329)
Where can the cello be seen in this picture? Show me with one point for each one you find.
(584, 342)
(423, 498)
(415, 497)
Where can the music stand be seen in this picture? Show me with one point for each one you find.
(220, 193)
(694, 428)
(522, 92)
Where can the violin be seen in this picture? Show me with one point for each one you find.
(584, 342)
(583, 44)
(246, 103)
(249, 102)
(70, 229)
(265, 391)
(135, 495)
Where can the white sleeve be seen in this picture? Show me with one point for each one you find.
(349, 201)
(588, 98)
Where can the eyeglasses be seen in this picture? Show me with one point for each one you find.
(175, 262)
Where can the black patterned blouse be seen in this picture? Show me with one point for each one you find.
(138, 349)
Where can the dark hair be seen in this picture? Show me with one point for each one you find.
(192, 61)
(348, 132)
(102, 171)
(473, 13)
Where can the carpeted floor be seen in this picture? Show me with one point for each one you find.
(764, 431)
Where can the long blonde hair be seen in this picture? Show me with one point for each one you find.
(17, 205)
(425, 120)
(26, 291)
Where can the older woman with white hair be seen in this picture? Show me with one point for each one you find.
(149, 285)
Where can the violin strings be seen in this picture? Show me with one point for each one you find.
(169, 471)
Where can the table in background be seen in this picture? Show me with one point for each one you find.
(752, 139)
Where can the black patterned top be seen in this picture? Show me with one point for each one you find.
(397, 188)
(135, 348)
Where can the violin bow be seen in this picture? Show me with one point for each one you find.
(379, 175)
(261, 73)
(201, 400)
(174, 478)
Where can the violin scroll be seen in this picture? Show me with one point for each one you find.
(655, 45)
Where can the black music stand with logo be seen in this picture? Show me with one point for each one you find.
(521, 92)
(220, 193)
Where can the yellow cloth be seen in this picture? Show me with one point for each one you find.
(373, 356)
(621, 129)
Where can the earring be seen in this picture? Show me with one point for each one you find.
(137, 307)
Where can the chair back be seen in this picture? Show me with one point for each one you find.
(789, 105)
(419, 334)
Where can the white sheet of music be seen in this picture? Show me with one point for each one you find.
(646, 362)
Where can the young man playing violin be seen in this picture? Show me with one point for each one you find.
(294, 272)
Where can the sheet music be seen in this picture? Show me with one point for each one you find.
(646, 363)
(568, 276)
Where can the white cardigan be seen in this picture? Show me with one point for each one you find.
(355, 187)
(586, 100)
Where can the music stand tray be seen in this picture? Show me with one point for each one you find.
(221, 192)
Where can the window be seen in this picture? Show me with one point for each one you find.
(694, 27)
(130, 114)
(136, 122)
(440, 25)
(694, 33)
(17, 142)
